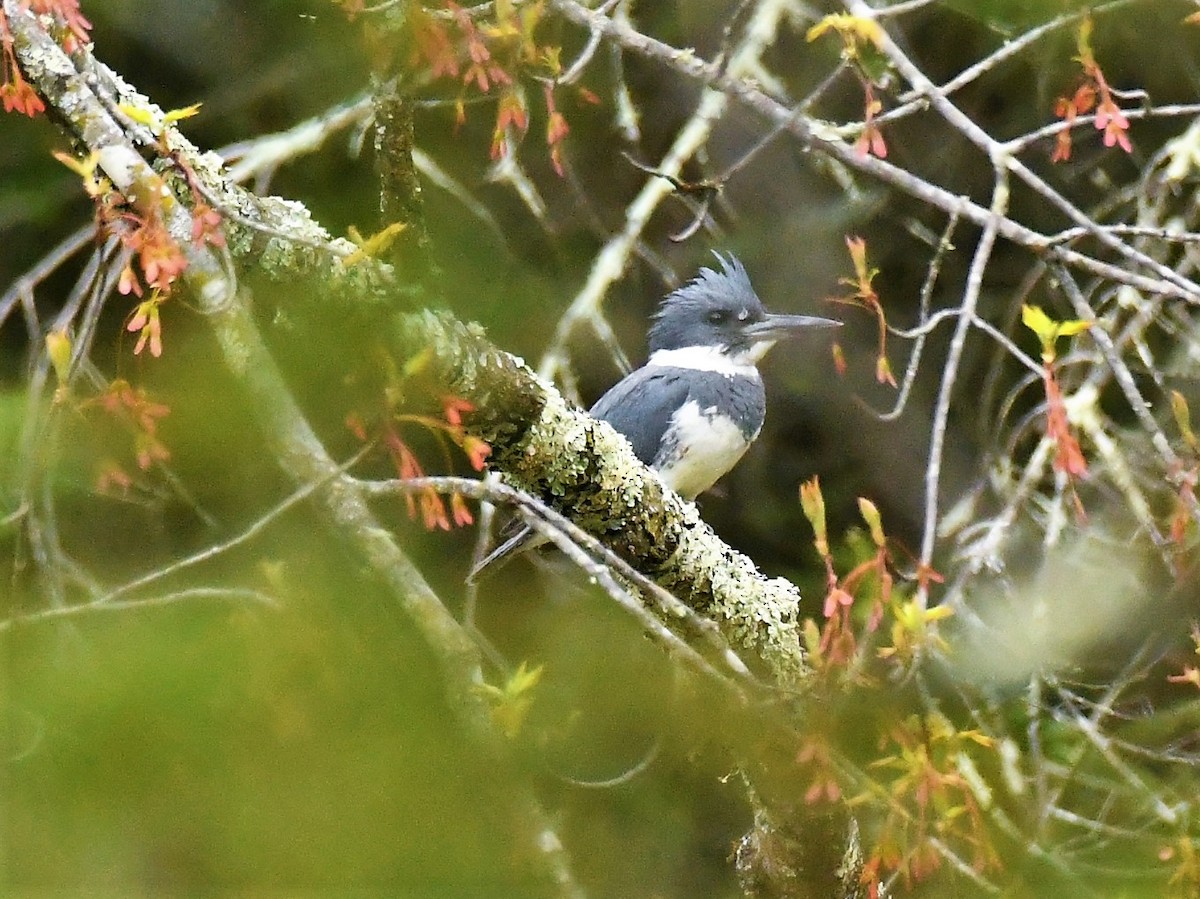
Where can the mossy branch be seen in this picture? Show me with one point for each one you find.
(580, 466)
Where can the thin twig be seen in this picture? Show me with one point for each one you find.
(598, 563)
(941, 413)
(255, 528)
(925, 323)
(191, 594)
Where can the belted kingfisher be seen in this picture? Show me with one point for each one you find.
(694, 408)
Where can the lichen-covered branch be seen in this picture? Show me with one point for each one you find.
(581, 466)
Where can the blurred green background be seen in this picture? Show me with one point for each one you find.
(226, 746)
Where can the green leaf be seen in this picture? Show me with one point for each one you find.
(1048, 330)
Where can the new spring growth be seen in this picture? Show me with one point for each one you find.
(1068, 457)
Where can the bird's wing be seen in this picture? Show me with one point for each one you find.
(641, 405)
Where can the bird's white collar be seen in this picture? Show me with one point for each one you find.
(709, 358)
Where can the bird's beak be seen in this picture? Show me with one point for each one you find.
(781, 327)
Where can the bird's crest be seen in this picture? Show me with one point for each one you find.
(730, 288)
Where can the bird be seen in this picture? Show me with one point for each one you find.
(698, 403)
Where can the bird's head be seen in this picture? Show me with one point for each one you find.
(719, 312)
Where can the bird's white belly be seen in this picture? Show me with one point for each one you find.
(707, 446)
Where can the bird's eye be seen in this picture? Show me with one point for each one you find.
(718, 316)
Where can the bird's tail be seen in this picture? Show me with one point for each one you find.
(524, 539)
